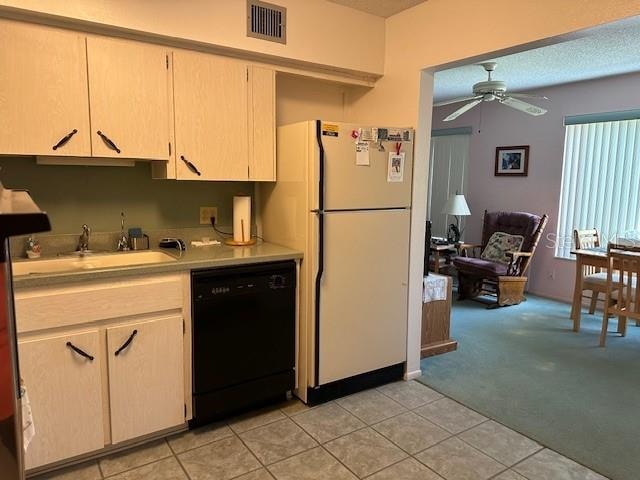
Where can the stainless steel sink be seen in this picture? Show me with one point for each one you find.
(89, 262)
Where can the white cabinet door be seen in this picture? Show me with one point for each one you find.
(210, 98)
(146, 377)
(129, 93)
(65, 390)
(43, 91)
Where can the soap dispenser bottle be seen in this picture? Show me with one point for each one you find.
(33, 248)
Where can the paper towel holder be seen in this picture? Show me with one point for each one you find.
(237, 243)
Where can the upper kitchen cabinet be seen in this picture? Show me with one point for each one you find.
(130, 98)
(262, 124)
(210, 101)
(44, 103)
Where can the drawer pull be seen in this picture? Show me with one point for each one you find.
(79, 351)
(127, 343)
(190, 165)
(108, 141)
(65, 139)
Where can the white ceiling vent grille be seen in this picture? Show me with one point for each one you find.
(266, 21)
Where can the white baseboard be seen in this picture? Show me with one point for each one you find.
(412, 375)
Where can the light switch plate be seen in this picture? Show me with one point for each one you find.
(206, 213)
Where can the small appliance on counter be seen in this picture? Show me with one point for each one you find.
(19, 215)
(176, 243)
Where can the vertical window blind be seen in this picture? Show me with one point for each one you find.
(448, 172)
(600, 181)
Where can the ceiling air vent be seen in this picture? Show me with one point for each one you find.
(266, 21)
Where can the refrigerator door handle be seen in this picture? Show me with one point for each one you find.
(320, 271)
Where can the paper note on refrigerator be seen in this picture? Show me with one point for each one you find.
(395, 168)
(362, 153)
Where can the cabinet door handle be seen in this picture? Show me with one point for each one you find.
(65, 139)
(127, 343)
(79, 351)
(108, 141)
(190, 165)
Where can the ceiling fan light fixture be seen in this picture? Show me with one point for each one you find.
(491, 90)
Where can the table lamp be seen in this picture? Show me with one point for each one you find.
(456, 206)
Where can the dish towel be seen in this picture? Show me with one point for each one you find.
(28, 428)
(434, 287)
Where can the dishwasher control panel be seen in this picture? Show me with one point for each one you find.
(217, 283)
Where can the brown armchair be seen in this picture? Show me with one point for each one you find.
(478, 276)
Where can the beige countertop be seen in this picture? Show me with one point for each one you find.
(193, 258)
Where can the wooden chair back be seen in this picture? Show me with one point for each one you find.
(587, 239)
(625, 259)
(534, 243)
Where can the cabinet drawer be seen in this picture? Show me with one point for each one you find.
(48, 307)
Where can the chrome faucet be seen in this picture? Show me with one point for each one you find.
(83, 241)
(123, 241)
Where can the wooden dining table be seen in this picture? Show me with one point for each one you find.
(595, 257)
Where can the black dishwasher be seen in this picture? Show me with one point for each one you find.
(243, 337)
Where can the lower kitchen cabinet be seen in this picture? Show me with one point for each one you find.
(146, 378)
(65, 391)
(104, 362)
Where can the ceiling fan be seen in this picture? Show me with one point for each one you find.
(491, 90)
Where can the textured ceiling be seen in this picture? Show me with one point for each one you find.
(612, 49)
(381, 8)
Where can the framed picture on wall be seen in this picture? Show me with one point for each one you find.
(512, 161)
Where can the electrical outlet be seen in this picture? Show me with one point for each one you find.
(206, 213)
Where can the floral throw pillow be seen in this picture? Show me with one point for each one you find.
(499, 244)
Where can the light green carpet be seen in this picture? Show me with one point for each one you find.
(524, 367)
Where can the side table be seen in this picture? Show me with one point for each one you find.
(439, 251)
(436, 316)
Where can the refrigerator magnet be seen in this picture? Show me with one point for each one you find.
(362, 154)
(395, 168)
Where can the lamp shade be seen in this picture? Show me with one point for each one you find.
(456, 205)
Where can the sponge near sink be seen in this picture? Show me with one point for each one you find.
(135, 232)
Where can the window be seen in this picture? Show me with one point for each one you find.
(447, 174)
(600, 178)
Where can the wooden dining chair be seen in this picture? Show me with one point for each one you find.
(594, 280)
(620, 293)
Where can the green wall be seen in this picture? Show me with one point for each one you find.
(73, 195)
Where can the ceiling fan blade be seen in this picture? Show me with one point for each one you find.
(456, 100)
(526, 95)
(522, 106)
(463, 109)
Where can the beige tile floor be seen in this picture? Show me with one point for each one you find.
(400, 431)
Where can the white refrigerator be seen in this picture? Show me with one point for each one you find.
(343, 197)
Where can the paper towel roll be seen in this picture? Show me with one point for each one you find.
(242, 218)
